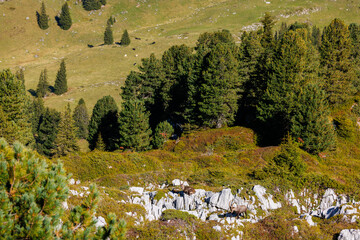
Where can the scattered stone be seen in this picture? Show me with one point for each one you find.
(139, 190)
(100, 222)
(349, 234)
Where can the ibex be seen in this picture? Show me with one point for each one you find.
(238, 209)
(188, 190)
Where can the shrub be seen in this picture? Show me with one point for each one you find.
(171, 214)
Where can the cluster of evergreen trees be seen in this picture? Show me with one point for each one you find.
(90, 5)
(108, 34)
(64, 20)
(60, 87)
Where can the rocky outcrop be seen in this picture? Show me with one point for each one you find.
(349, 234)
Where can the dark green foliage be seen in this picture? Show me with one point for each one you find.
(345, 127)
(316, 36)
(37, 109)
(219, 87)
(207, 41)
(268, 22)
(8, 129)
(355, 53)
(103, 2)
(163, 132)
(66, 141)
(125, 39)
(32, 193)
(100, 145)
(81, 118)
(42, 89)
(20, 76)
(337, 68)
(14, 104)
(90, 5)
(47, 131)
(111, 20)
(134, 126)
(104, 120)
(288, 164)
(292, 68)
(60, 86)
(65, 21)
(108, 35)
(42, 17)
(310, 122)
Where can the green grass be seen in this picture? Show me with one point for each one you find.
(99, 71)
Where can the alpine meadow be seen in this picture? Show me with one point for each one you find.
(181, 119)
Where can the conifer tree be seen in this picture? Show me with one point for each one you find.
(337, 68)
(219, 88)
(43, 85)
(81, 118)
(163, 132)
(20, 76)
(60, 86)
(90, 5)
(8, 129)
(47, 131)
(103, 2)
(65, 21)
(66, 141)
(14, 103)
(108, 35)
(31, 193)
(134, 126)
(42, 18)
(100, 145)
(37, 109)
(104, 120)
(310, 123)
(125, 39)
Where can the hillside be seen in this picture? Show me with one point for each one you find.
(101, 70)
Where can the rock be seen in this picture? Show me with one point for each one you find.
(296, 229)
(179, 203)
(176, 182)
(214, 199)
(330, 212)
(328, 200)
(349, 234)
(65, 205)
(308, 218)
(217, 228)
(139, 190)
(290, 197)
(203, 214)
(100, 222)
(156, 212)
(71, 181)
(214, 217)
(266, 203)
(225, 199)
(78, 182)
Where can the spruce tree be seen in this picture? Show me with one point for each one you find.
(90, 5)
(310, 121)
(20, 76)
(104, 120)
(8, 129)
(163, 132)
(31, 196)
(37, 109)
(108, 35)
(60, 86)
(15, 103)
(65, 21)
(125, 39)
(47, 131)
(42, 17)
(134, 128)
(43, 85)
(81, 118)
(66, 141)
(219, 88)
(100, 145)
(337, 69)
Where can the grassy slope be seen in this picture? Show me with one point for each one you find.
(95, 72)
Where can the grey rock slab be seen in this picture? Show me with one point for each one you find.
(349, 234)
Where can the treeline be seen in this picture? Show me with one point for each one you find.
(283, 83)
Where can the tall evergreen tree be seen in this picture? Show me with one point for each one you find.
(47, 131)
(292, 68)
(37, 109)
(355, 53)
(66, 141)
(268, 23)
(104, 120)
(60, 86)
(219, 88)
(125, 39)
(90, 5)
(81, 118)
(20, 75)
(108, 35)
(316, 36)
(163, 132)
(42, 18)
(14, 103)
(134, 128)
(65, 21)
(43, 85)
(310, 122)
(337, 68)
(8, 129)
